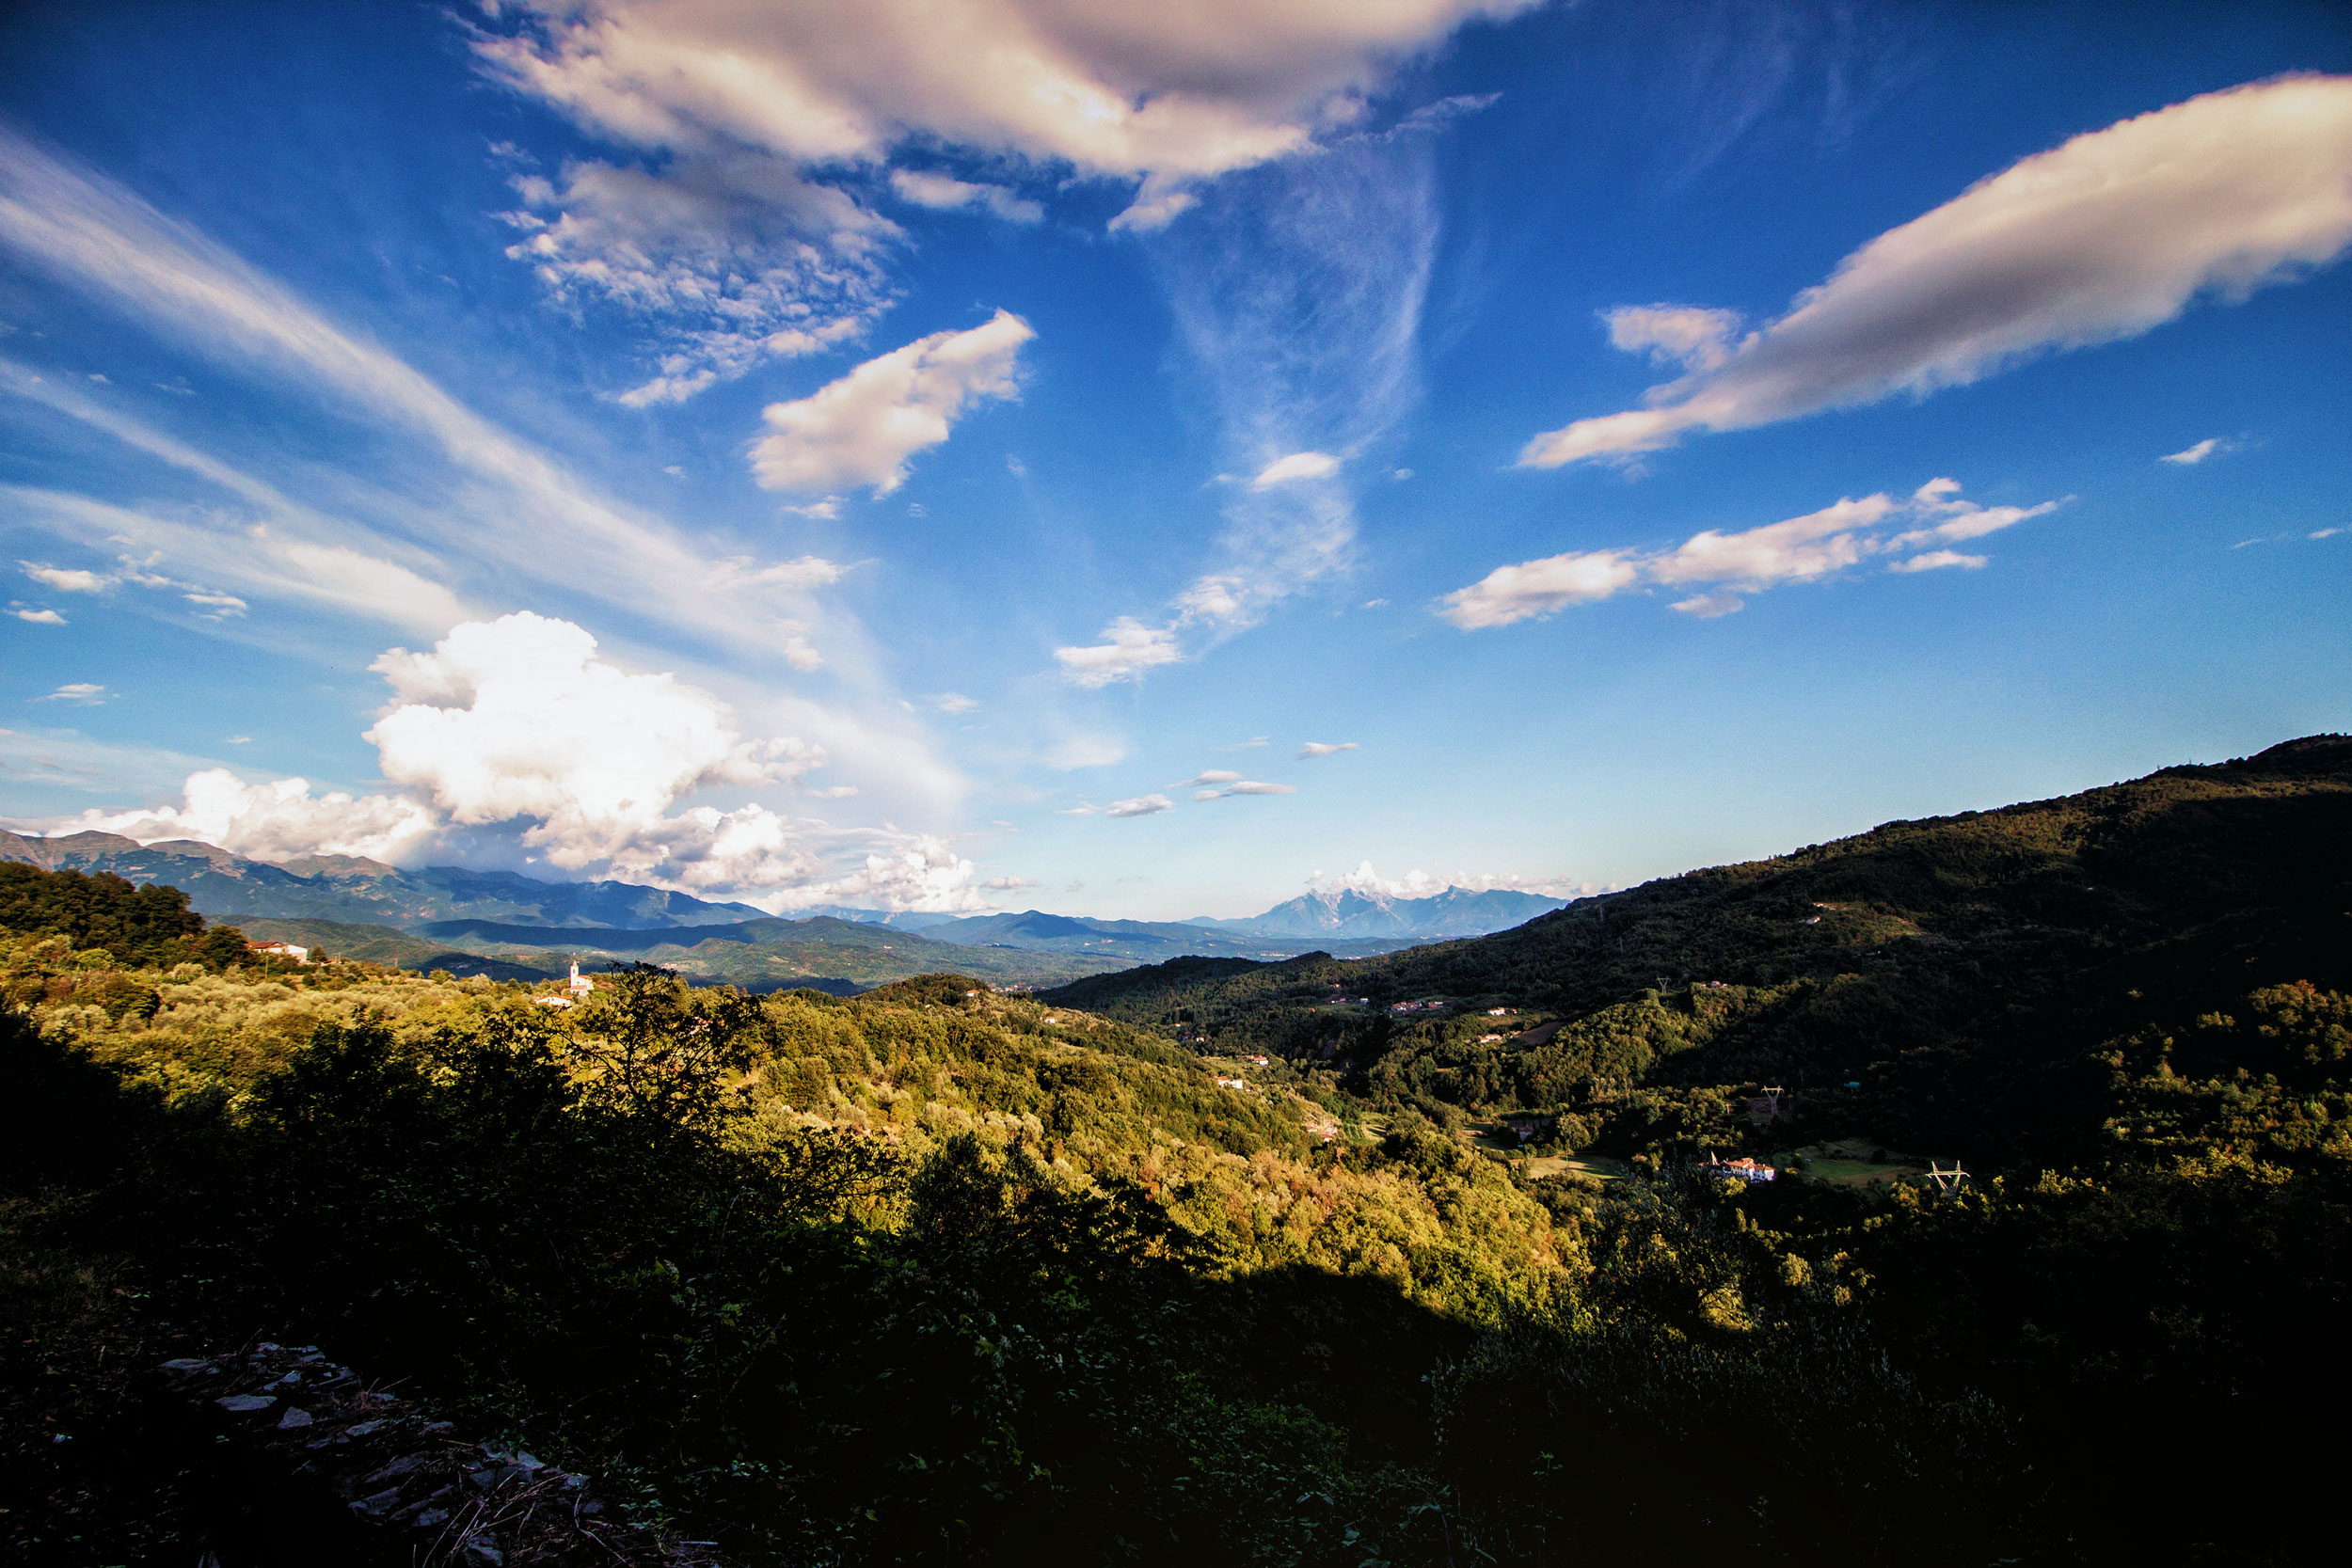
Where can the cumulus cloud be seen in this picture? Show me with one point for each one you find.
(945, 193)
(1142, 806)
(1164, 96)
(1690, 336)
(1510, 594)
(730, 260)
(67, 579)
(2103, 238)
(1324, 749)
(513, 732)
(515, 717)
(274, 821)
(1009, 884)
(862, 429)
(39, 617)
(79, 693)
(1297, 465)
(1127, 650)
(1910, 534)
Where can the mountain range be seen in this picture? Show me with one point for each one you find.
(1345, 911)
(510, 926)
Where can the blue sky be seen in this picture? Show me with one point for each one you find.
(960, 454)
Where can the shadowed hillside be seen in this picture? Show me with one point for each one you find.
(1963, 972)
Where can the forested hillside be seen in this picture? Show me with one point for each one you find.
(941, 1274)
(1978, 979)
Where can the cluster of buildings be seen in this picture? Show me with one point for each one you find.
(577, 987)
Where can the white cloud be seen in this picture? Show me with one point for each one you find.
(274, 821)
(66, 579)
(1297, 465)
(1690, 336)
(951, 702)
(1166, 95)
(2197, 453)
(733, 259)
(862, 429)
(1142, 806)
(1936, 559)
(510, 735)
(515, 717)
(1128, 648)
(1245, 786)
(799, 573)
(1324, 749)
(39, 617)
(256, 557)
(944, 193)
(1298, 292)
(2103, 238)
(1812, 546)
(1009, 884)
(1212, 776)
(78, 693)
(503, 499)
(1798, 550)
(1510, 594)
(1245, 745)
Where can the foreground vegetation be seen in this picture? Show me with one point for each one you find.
(938, 1274)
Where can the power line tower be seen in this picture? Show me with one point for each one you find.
(1947, 1181)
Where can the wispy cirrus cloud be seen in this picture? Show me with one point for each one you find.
(1297, 289)
(1245, 787)
(1910, 534)
(2106, 237)
(501, 496)
(1141, 805)
(1324, 749)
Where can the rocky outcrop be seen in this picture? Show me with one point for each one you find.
(335, 1470)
